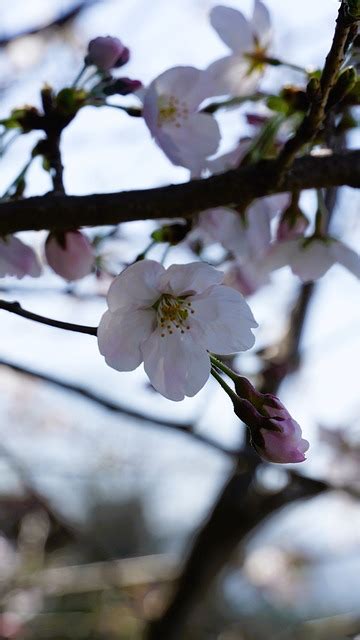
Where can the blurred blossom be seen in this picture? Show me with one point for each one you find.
(311, 258)
(18, 259)
(171, 319)
(107, 53)
(246, 276)
(171, 111)
(69, 254)
(249, 40)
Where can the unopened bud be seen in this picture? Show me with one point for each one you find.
(107, 53)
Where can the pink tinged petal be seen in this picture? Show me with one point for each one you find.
(18, 259)
(261, 23)
(345, 256)
(230, 76)
(281, 449)
(136, 287)
(246, 277)
(72, 257)
(224, 226)
(233, 28)
(194, 277)
(229, 160)
(107, 52)
(121, 334)
(176, 365)
(225, 319)
(312, 261)
(280, 254)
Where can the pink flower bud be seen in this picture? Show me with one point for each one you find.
(70, 254)
(280, 438)
(106, 53)
(274, 434)
(17, 259)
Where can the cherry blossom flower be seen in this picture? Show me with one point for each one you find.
(107, 53)
(249, 40)
(280, 438)
(70, 255)
(17, 259)
(247, 236)
(171, 112)
(171, 319)
(311, 258)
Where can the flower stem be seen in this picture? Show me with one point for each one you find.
(232, 395)
(79, 75)
(223, 367)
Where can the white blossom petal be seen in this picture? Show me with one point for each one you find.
(233, 28)
(280, 254)
(184, 83)
(261, 23)
(121, 334)
(185, 279)
(230, 76)
(195, 139)
(225, 319)
(176, 365)
(312, 261)
(136, 286)
(346, 256)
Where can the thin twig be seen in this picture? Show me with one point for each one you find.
(15, 307)
(115, 407)
(316, 115)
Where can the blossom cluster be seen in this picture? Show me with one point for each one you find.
(174, 320)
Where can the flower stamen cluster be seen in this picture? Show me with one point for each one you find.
(171, 111)
(173, 313)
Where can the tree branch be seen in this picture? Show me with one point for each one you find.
(114, 407)
(319, 100)
(61, 212)
(61, 21)
(15, 307)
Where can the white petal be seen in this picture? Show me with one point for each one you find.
(120, 336)
(347, 257)
(280, 254)
(246, 277)
(230, 76)
(136, 286)
(224, 226)
(233, 28)
(182, 82)
(312, 261)
(176, 365)
(195, 139)
(194, 277)
(225, 319)
(261, 23)
(229, 160)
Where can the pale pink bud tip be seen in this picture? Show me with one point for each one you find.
(106, 53)
(281, 439)
(70, 255)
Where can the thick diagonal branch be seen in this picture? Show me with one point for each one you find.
(61, 212)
